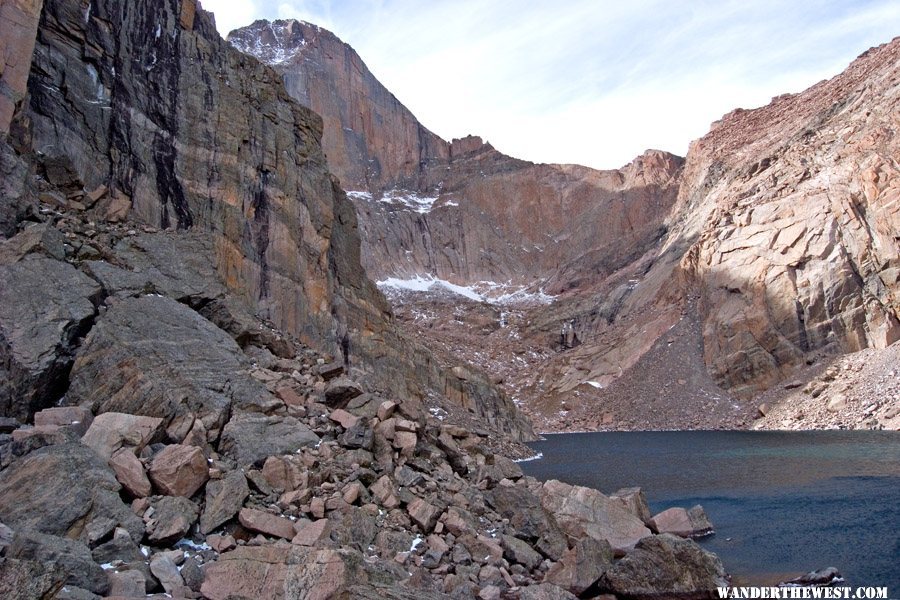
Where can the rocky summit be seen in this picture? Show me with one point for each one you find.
(758, 259)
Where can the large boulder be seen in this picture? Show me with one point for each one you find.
(45, 307)
(581, 566)
(65, 490)
(179, 470)
(111, 432)
(66, 556)
(37, 239)
(155, 357)
(172, 518)
(683, 523)
(665, 566)
(529, 518)
(224, 498)
(250, 438)
(283, 571)
(582, 511)
(29, 579)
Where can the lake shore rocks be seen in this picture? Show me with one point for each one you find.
(441, 518)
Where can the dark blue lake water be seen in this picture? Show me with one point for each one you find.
(782, 503)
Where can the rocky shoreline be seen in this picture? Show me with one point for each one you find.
(257, 467)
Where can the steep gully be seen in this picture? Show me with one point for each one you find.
(681, 289)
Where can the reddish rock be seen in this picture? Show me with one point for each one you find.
(344, 418)
(683, 523)
(283, 473)
(405, 442)
(317, 508)
(635, 502)
(423, 514)
(179, 470)
(127, 584)
(110, 431)
(266, 523)
(221, 543)
(18, 30)
(283, 572)
(386, 410)
(582, 511)
(313, 534)
(383, 490)
(76, 418)
(290, 396)
(130, 473)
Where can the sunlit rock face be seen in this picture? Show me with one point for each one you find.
(794, 213)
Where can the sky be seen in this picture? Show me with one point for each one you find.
(591, 82)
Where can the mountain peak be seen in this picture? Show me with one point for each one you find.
(276, 42)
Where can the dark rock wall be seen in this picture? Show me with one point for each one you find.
(146, 99)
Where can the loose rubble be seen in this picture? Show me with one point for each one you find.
(282, 476)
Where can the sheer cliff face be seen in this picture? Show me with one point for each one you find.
(146, 99)
(18, 23)
(461, 211)
(795, 209)
(370, 138)
(782, 222)
(786, 232)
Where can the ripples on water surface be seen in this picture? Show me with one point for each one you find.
(782, 503)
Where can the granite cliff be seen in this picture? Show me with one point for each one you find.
(460, 210)
(772, 246)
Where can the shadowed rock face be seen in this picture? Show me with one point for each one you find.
(147, 100)
(18, 26)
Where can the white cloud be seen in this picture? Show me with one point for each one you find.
(232, 14)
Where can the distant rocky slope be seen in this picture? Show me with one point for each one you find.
(775, 243)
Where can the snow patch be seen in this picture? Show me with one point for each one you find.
(185, 542)
(537, 456)
(484, 291)
(355, 195)
(595, 384)
(410, 200)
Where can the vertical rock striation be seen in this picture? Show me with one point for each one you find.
(461, 210)
(370, 138)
